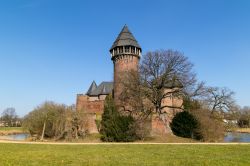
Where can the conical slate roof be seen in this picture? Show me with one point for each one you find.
(92, 88)
(104, 88)
(125, 38)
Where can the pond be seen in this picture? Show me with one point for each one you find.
(237, 137)
(15, 137)
(229, 137)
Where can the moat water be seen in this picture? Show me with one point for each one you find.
(15, 137)
(237, 137)
(229, 137)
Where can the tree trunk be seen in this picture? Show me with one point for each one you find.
(76, 133)
(44, 126)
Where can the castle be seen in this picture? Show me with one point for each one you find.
(125, 54)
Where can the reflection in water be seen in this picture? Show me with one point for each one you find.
(16, 137)
(237, 137)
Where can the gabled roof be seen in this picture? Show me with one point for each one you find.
(104, 88)
(92, 88)
(125, 38)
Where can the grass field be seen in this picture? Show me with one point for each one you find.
(116, 155)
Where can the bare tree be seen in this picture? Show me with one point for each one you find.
(9, 116)
(160, 70)
(219, 99)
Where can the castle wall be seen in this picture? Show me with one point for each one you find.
(92, 108)
(158, 123)
(102, 97)
(94, 98)
(88, 106)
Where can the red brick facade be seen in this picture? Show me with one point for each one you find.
(84, 103)
(92, 109)
(121, 64)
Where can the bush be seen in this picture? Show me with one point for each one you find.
(243, 122)
(143, 128)
(116, 127)
(57, 121)
(211, 126)
(184, 124)
(46, 116)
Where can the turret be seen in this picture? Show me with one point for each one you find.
(125, 54)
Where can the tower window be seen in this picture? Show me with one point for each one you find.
(132, 49)
(126, 48)
(137, 51)
(120, 49)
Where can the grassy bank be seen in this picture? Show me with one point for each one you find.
(11, 130)
(96, 138)
(74, 155)
(169, 138)
(242, 130)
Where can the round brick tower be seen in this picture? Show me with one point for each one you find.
(125, 54)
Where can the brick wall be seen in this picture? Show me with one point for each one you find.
(162, 125)
(84, 104)
(121, 64)
(92, 109)
(95, 108)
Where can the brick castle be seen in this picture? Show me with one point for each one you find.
(125, 54)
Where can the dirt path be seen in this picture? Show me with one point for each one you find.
(135, 143)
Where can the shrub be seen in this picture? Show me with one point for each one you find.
(114, 126)
(243, 122)
(184, 124)
(211, 126)
(46, 116)
(57, 121)
(143, 128)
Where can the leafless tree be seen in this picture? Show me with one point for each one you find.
(220, 99)
(160, 70)
(9, 116)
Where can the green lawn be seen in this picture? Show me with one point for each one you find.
(155, 155)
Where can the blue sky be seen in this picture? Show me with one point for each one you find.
(53, 49)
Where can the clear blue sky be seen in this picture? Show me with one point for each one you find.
(53, 49)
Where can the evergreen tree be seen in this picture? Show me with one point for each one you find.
(114, 126)
(184, 124)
